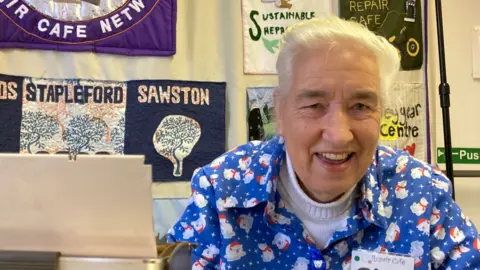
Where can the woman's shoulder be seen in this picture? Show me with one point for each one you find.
(225, 160)
(246, 156)
(247, 170)
(402, 171)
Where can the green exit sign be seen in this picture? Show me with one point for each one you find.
(460, 155)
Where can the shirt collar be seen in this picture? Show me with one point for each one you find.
(266, 159)
(371, 202)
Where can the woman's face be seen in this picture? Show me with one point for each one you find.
(330, 117)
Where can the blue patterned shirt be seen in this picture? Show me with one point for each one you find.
(403, 206)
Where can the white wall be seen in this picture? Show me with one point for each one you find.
(458, 21)
(467, 191)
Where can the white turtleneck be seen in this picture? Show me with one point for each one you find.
(320, 219)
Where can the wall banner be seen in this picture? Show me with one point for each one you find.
(404, 121)
(400, 21)
(177, 125)
(260, 119)
(264, 21)
(130, 27)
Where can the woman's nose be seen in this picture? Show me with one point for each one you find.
(337, 129)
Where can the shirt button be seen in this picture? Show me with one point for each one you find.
(318, 264)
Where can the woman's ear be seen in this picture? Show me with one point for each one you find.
(277, 103)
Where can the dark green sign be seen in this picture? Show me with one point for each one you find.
(460, 155)
(399, 21)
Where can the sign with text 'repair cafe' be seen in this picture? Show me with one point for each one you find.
(399, 21)
(264, 22)
(128, 27)
(177, 125)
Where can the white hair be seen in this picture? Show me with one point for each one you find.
(311, 34)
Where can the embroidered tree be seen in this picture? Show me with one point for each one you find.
(83, 132)
(175, 137)
(58, 111)
(52, 148)
(36, 128)
(103, 112)
(118, 136)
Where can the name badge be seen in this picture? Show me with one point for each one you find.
(369, 260)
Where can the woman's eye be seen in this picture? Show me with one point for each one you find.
(315, 106)
(361, 107)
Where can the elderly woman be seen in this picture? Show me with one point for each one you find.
(323, 194)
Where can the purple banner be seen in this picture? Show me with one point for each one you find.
(130, 27)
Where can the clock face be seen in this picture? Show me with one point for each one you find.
(75, 10)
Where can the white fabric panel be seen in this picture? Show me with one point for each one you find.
(259, 59)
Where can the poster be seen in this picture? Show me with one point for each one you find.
(177, 125)
(129, 27)
(404, 122)
(264, 21)
(399, 21)
(260, 119)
